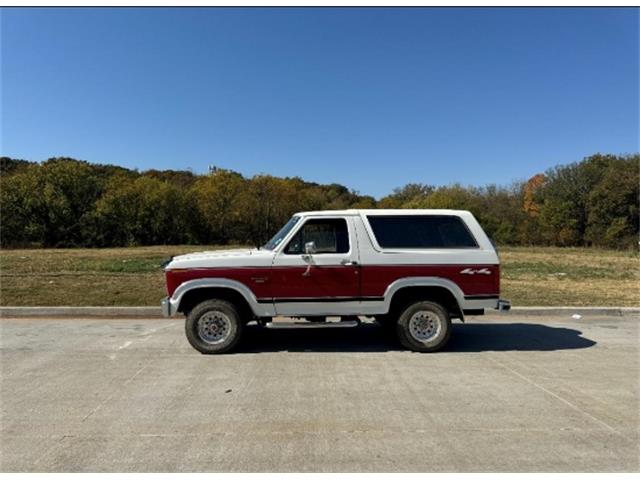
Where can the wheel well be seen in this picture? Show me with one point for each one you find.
(193, 297)
(440, 295)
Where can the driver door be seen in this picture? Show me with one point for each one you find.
(325, 282)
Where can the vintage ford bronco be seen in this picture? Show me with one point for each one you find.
(412, 270)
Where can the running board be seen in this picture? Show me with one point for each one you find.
(291, 325)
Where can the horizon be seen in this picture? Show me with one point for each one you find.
(306, 180)
(372, 99)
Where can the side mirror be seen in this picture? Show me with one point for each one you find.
(310, 248)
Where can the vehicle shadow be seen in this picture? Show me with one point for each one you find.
(502, 337)
(475, 337)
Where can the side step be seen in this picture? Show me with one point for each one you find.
(290, 325)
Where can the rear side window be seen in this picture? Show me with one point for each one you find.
(421, 231)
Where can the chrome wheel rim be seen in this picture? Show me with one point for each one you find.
(425, 325)
(214, 327)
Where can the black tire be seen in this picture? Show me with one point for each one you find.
(214, 326)
(430, 330)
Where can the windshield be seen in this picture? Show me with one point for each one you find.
(278, 237)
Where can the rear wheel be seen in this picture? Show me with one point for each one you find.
(424, 327)
(213, 326)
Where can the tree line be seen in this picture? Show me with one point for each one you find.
(64, 202)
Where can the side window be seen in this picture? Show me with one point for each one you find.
(421, 231)
(329, 234)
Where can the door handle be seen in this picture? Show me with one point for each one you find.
(307, 272)
(348, 263)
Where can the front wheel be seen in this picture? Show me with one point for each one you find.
(213, 326)
(424, 327)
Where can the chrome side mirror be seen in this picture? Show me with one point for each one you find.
(310, 248)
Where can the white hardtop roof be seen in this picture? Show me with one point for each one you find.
(385, 211)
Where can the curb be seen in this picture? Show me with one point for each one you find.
(583, 311)
(155, 312)
(79, 312)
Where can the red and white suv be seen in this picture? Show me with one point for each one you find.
(413, 270)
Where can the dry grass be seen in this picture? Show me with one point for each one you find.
(131, 276)
(570, 276)
(84, 277)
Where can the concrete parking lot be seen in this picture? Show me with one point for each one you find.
(511, 393)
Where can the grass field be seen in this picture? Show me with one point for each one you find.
(132, 276)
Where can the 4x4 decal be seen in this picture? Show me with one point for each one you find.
(471, 271)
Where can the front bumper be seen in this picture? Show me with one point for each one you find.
(503, 305)
(166, 307)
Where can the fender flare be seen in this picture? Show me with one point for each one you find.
(259, 309)
(409, 282)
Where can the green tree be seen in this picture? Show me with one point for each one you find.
(19, 225)
(410, 194)
(566, 200)
(267, 204)
(143, 211)
(613, 205)
(178, 178)
(9, 166)
(60, 201)
(216, 198)
(454, 197)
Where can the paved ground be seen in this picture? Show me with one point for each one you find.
(510, 394)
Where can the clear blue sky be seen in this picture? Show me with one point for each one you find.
(370, 98)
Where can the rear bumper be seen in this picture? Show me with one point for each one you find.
(503, 305)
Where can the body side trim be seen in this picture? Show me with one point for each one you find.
(319, 299)
(481, 297)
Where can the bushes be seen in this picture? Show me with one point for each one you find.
(66, 202)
